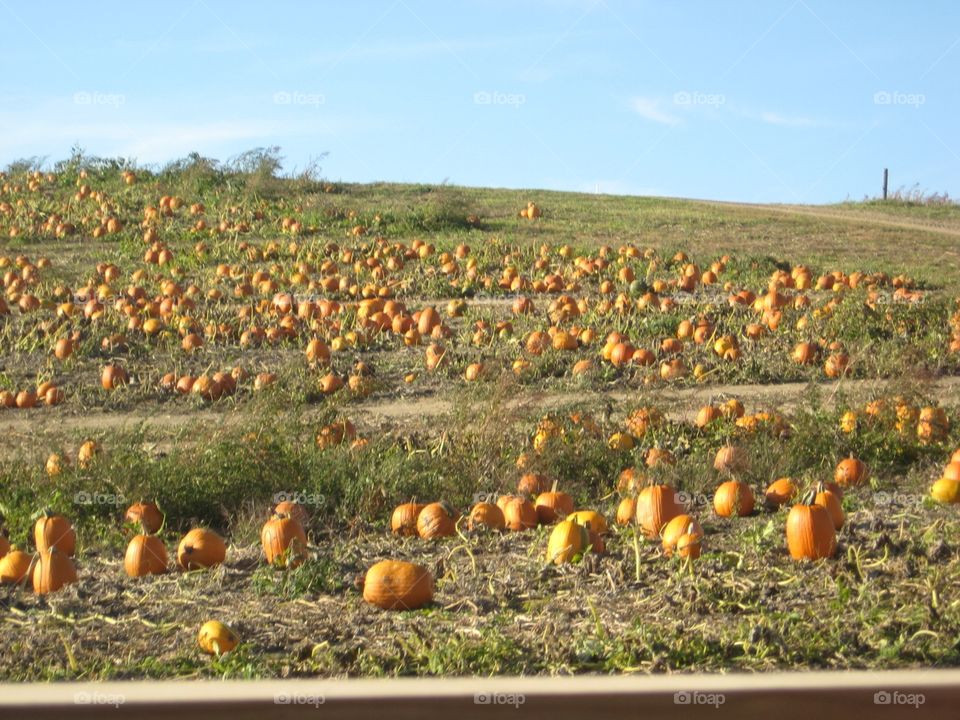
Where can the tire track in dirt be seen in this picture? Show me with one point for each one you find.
(679, 403)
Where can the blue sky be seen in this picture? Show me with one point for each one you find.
(777, 101)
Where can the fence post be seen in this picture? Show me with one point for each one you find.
(885, 183)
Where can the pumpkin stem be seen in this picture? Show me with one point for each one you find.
(810, 498)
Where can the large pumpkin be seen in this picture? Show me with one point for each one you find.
(201, 548)
(52, 571)
(552, 506)
(733, 498)
(780, 492)
(810, 531)
(486, 515)
(656, 506)
(567, 540)
(437, 520)
(147, 514)
(15, 566)
(146, 555)
(398, 585)
(851, 472)
(404, 518)
(284, 541)
(54, 531)
(520, 514)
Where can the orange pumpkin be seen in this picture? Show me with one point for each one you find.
(626, 511)
(201, 548)
(520, 514)
(146, 555)
(708, 414)
(487, 516)
(827, 499)
(54, 531)
(591, 520)
(733, 498)
(552, 506)
(805, 353)
(656, 506)
(690, 544)
(533, 484)
(437, 520)
(677, 528)
(398, 585)
(147, 514)
(52, 571)
(113, 376)
(810, 531)
(15, 567)
(404, 518)
(780, 492)
(851, 472)
(731, 459)
(284, 541)
(297, 512)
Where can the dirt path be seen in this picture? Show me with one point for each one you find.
(681, 403)
(859, 217)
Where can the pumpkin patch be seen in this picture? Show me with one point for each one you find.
(418, 429)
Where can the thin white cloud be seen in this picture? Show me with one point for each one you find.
(649, 109)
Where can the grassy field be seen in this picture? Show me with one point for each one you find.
(284, 285)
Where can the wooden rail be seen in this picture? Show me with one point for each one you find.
(772, 696)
